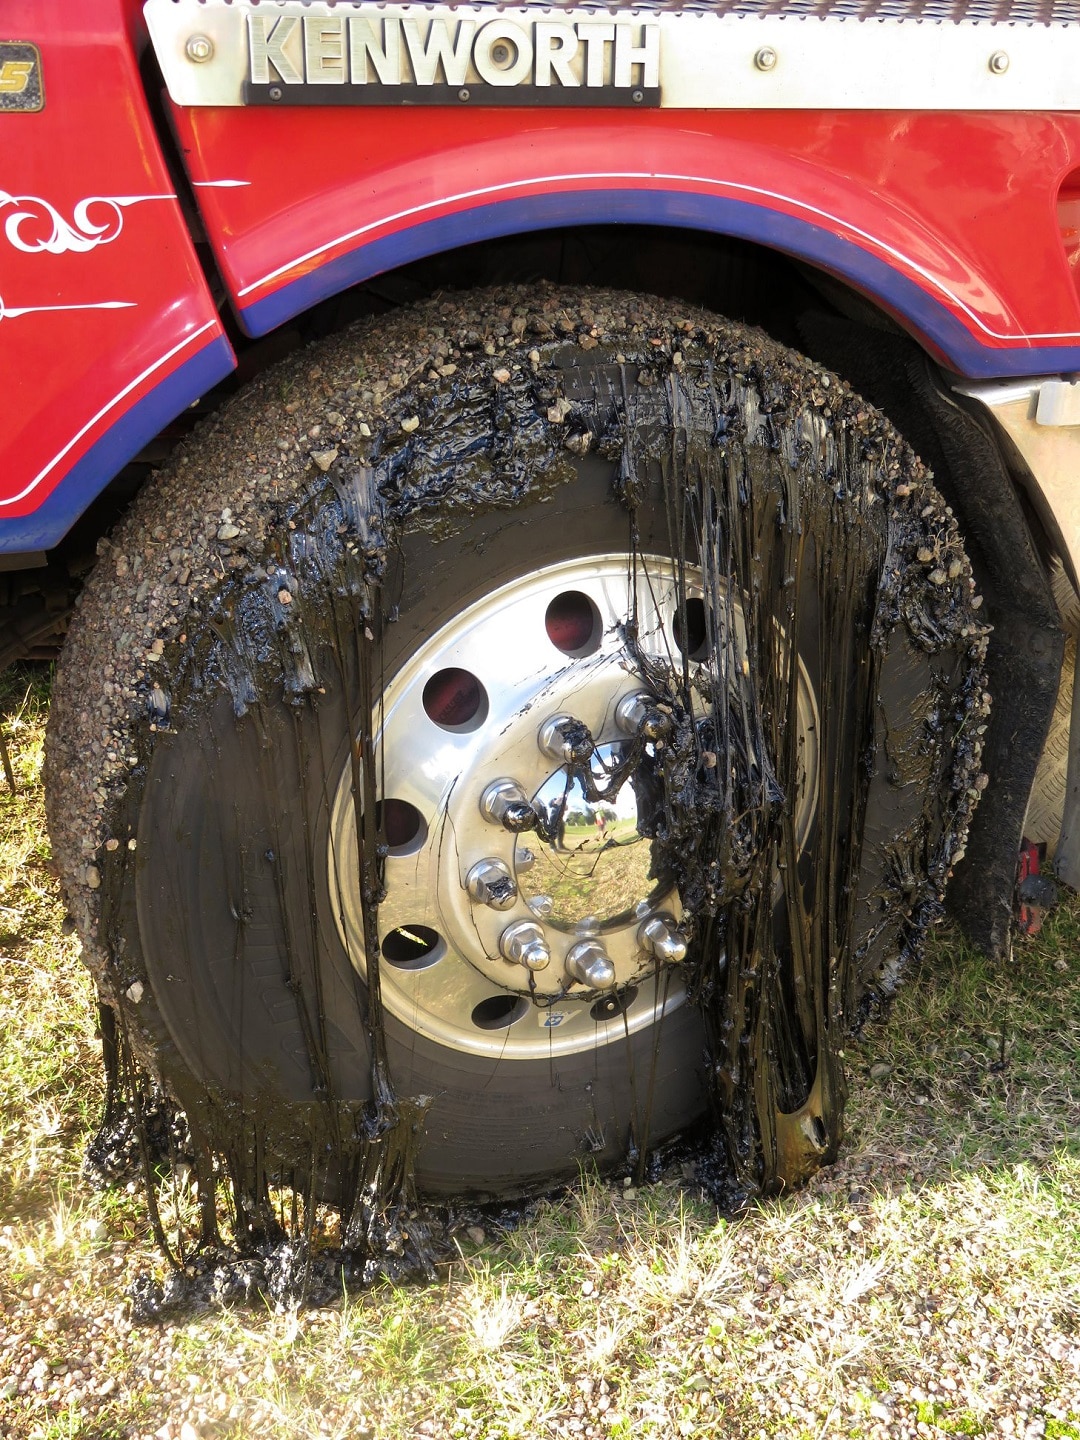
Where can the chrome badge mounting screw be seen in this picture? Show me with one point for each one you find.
(590, 964)
(505, 803)
(489, 882)
(662, 939)
(524, 943)
(199, 48)
(565, 740)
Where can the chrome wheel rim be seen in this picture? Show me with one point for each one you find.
(511, 944)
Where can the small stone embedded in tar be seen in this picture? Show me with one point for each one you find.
(158, 706)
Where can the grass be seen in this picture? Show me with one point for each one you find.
(929, 1284)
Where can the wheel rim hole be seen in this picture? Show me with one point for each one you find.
(412, 947)
(691, 631)
(454, 699)
(402, 825)
(573, 624)
(612, 1005)
(499, 1012)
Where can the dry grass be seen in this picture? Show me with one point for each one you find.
(928, 1284)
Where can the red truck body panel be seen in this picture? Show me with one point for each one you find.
(108, 328)
(107, 325)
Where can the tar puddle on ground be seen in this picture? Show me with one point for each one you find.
(242, 619)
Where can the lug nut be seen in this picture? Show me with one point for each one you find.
(566, 740)
(662, 939)
(524, 944)
(640, 714)
(505, 803)
(630, 712)
(590, 963)
(489, 882)
(524, 859)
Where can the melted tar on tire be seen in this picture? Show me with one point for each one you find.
(790, 503)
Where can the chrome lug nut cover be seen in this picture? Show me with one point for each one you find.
(524, 943)
(641, 714)
(590, 964)
(565, 740)
(489, 882)
(631, 711)
(661, 938)
(505, 803)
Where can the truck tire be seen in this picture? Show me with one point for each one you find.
(448, 482)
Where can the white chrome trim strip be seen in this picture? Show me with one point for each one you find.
(707, 60)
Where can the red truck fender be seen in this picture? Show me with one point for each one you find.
(301, 203)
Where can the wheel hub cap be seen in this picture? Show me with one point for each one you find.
(522, 914)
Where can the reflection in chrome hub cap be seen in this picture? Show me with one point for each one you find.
(593, 873)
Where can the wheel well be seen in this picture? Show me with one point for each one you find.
(731, 276)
